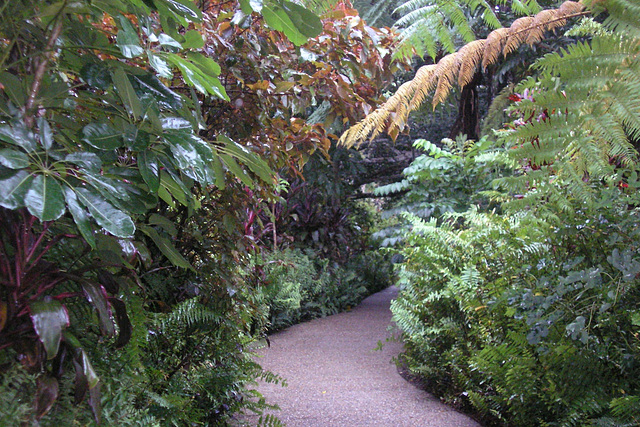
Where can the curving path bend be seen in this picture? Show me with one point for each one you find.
(336, 377)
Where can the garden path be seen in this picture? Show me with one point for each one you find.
(337, 377)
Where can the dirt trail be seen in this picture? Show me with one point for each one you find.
(336, 377)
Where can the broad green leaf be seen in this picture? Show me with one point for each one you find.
(176, 123)
(151, 85)
(308, 23)
(127, 93)
(166, 40)
(13, 159)
(207, 65)
(219, 173)
(278, 19)
(106, 215)
(164, 222)
(127, 39)
(178, 191)
(164, 194)
(97, 296)
(46, 135)
(184, 8)
(160, 65)
(14, 88)
(102, 136)
(193, 40)
(86, 160)
(196, 77)
(96, 75)
(18, 134)
(80, 216)
(166, 247)
(245, 6)
(14, 188)
(49, 318)
(44, 199)
(237, 170)
(149, 169)
(251, 160)
(193, 156)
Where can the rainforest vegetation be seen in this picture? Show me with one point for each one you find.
(178, 178)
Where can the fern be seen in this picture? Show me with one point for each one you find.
(458, 68)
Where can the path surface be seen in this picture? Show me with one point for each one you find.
(337, 378)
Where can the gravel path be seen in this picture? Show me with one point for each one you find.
(336, 377)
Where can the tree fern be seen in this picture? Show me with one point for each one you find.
(437, 80)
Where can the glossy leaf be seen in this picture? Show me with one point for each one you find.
(166, 247)
(14, 189)
(127, 93)
(305, 21)
(44, 199)
(125, 328)
(46, 135)
(278, 19)
(18, 134)
(251, 160)
(167, 225)
(80, 216)
(47, 390)
(206, 64)
(96, 75)
(149, 169)
(160, 65)
(86, 160)
(196, 77)
(13, 159)
(106, 215)
(49, 318)
(193, 156)
(127, 39)
(151, 85)
(97, 296)
(178, 191)
(193, 40)
(236, 170)
(102, 136)
(184, 8)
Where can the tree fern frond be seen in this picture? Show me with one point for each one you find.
(455, 69)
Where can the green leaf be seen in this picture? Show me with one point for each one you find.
(166, 40)
(237, 170)
(251, 160)
(96, 75)
(245, 6)
(160, 65)
(106, 215)
(164, 222)
(14, 88)
(97, 296)
(193, 40)
(178, 191)
(196, 77)
(14, 188)
(151, 85)
(13, 159)
(278, 19)
(18, 134)
(127, 93)
(46, 135)
(80, 216)
(44, 199)
(206, 64)
(102, 136)
(307, 23)
(193, 156)
(149, 169)
(127, 39)
(86, 160)
(49, 318)
(167, 248)
(184, 8)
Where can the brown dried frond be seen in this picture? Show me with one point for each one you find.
(446, 72)
(457, 68)
(493, 46)
(469, 58)
(517, 34)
